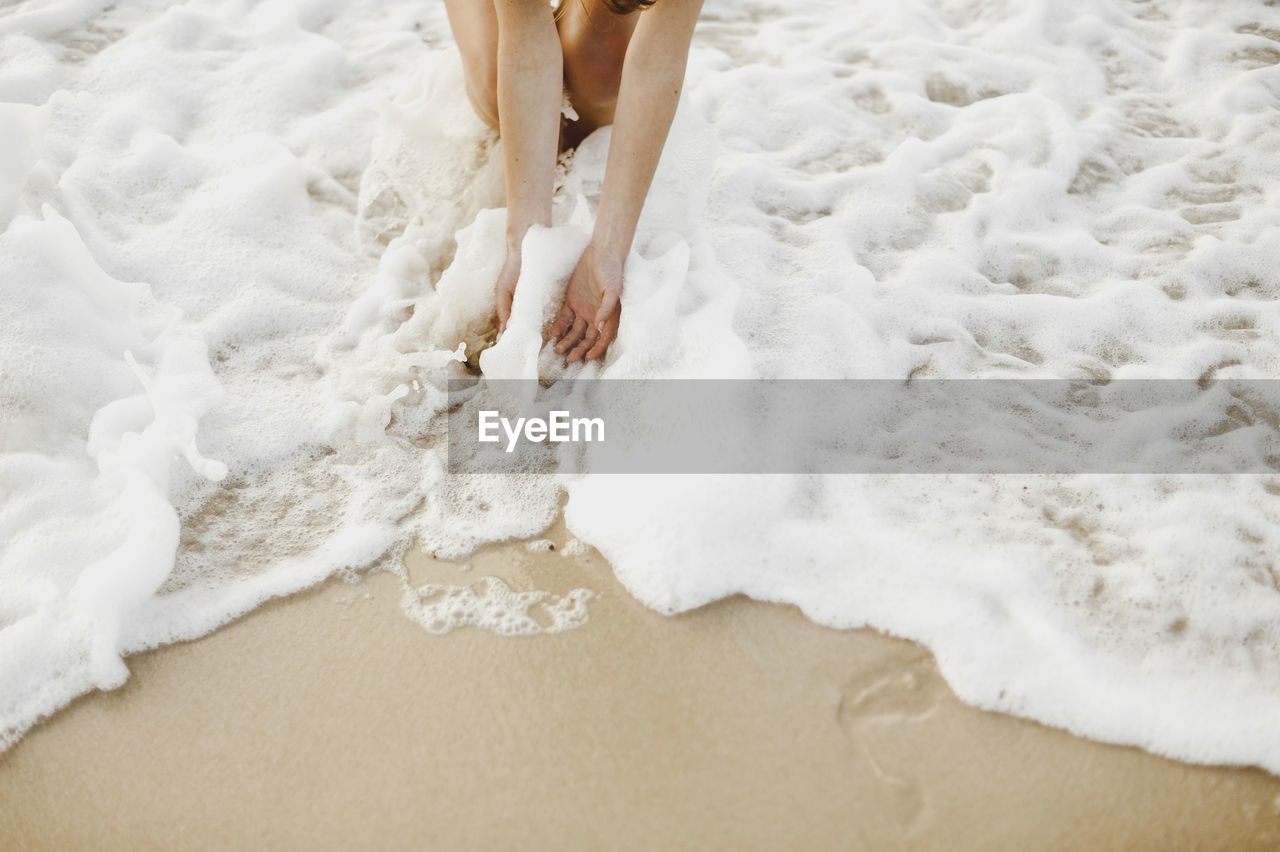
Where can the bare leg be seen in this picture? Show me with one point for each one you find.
(594, 41)
(475, 29)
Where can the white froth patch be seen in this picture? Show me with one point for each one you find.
(575, 547)
(103, 390)
(490, 604)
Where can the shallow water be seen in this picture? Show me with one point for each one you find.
(243, 243)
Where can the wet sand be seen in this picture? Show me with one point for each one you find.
(329, 720)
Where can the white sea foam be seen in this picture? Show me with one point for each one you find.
(494, 606)
(245, 245)
(575, 547)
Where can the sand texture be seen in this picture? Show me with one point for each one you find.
(329, 720)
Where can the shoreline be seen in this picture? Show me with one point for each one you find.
(329, 719)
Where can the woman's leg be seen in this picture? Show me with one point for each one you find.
(594, 41)
(475, 29)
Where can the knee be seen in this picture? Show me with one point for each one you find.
(482, 89)
(485, 103)
(593, 72)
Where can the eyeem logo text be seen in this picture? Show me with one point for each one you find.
(558, 427)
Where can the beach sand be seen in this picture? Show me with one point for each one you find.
(329, 720)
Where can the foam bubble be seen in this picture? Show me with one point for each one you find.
(574, 547)
(490, 604)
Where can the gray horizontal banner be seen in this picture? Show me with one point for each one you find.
(865, 426)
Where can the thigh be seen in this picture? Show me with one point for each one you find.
(580, 19)
(475, 29)
(594, 41)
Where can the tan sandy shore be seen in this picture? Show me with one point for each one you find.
(331, 721)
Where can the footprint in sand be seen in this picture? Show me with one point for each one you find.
(901, 690)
